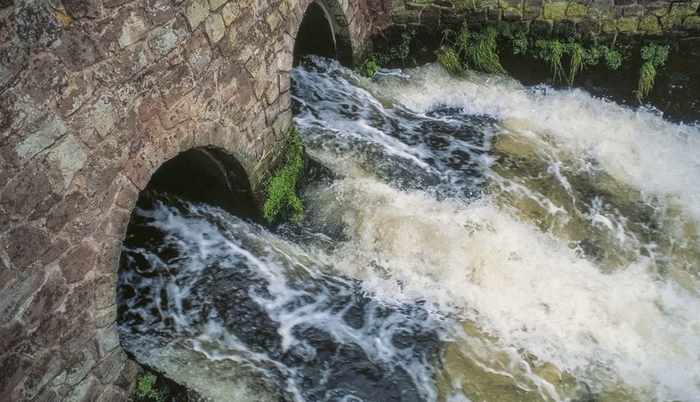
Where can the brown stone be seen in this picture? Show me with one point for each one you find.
(26, 244)
(50, 329)
(11, 373)
(83, 8)
(77, 92)
(151, 105)
(78, 49)
(177, 83)
(46, 300)
(66, 210)
(27, 190)
(78, 262)
(160, 11)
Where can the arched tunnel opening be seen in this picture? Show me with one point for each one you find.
(208, 176)
(319, 34)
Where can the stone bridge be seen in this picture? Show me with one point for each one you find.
(95, 95)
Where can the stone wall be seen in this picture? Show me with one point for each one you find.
(675, 18)
(94, 96)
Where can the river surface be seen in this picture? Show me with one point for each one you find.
(463, 240)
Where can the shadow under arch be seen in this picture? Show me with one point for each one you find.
(323, 31)
(207, 175)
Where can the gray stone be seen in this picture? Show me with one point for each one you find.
(35, 25)
(69, 157)
(196, 12)
(40, 135)
(88, 390)
(214, 27)
(107, 341)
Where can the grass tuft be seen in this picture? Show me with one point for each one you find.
(449, 60)
(479, 49)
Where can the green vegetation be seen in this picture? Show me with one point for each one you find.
(449, 60)
(654, 56)
(398, 54)
(145, 390)
(479, 49)
(281, 190)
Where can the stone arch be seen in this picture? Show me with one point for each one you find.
(323, 30)
(208, 175)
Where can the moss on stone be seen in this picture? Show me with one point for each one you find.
(554, 11)
(649, 24)
(577, 10)
(692, 22)
(627, 24)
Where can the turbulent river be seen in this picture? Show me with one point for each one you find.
(463, 240)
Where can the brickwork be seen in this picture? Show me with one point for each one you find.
(94, 96)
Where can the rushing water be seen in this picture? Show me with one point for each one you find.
(468, 240)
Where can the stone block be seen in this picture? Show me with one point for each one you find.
(25, 283)
(577, 10)
(176, 115)
(635, 10)
(88, 390)
(627, 24)
(692, 22)
(176, 84)
(657, 8)
(83, 8)
(78, 49)
(47, 299)
(216, 4)
(25, 244)
(79, 90)
(44, 368)
(69, 157)
(554, 11)
(160, 11)
(40, 134)
(684, 9)
(161, 40)
(625, 2)
(196, 12)
(215, 28)
(107, 371)
(71, 205)
(649, 24)
(274, 20)
(131, 27)
(35, 25)
(512, 15)
(198, 53)
(541, 27)
(107, 341)
(565, 27)
(230, 12)
(669, 21)
(151, 105)
(78, 262)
